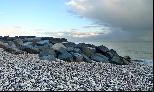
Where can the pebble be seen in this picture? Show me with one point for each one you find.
(32, 74)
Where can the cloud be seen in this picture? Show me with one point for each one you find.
(133, 16)
(16, 31)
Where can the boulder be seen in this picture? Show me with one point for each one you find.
(88, 51)
(45, 47)
(111, 53)
(99, 58)
(102, 49)
(82, 45)
(86, 59)
(69, 44)
(13, 50)
(42, 42)
(18, 42)
(58, 46)
(77, 57)
(70, 49)
(30, 48)
(47, 55)
(116, 59)
(11, 44)
(76, 50)
(126, 61)
(64, 55)
(3, 45)
(10, 47)
(127, 58)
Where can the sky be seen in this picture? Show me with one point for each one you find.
(78, 20)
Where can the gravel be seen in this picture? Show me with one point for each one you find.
(26, 72)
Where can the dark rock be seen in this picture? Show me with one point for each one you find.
(64, 55)
(45, 47)
(10, 47)
(126, 61)
(58, 46)
(102, 49)
(114, 57)
(86, 59)
(127, 58)
(117, 60)
(88, 51)
(54, 40)
(69, 44)
(43, 42)
(70, 49)
(76, 50)
(29, 48)
(3, 45)
(99, 58)
(11, 44)
(77, 57)
(13, 50)
(111, 53)
(18, 42)
(47, 55)
(22, 37)
(34, 40)
(82, 45)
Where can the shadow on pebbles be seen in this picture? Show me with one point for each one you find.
(26, 72)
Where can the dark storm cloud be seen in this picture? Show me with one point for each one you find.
(135, 17)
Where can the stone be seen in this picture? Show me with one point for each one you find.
(77, 57)
(3, 45)
(117, 60)
(30, 49)
(11, 44)
(45, 47)
(64, 55)
(10, 47)
(102, 49)
(127, 58)
(111, 53)
(99, 58)
(77, 50)
(18, 42)
(58, 46)
(42, 42)
(86, 59)
(13, 50)
(70, 49)
(82, 45)
(69, 44)
(88, 51)
(126, 61)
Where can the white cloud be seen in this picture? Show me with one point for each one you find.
(134, 16)
(16, 31)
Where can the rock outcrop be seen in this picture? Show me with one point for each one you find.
(49, 48)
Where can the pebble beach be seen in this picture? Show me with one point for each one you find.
(26, 72)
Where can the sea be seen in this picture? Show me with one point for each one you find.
(137, 50)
